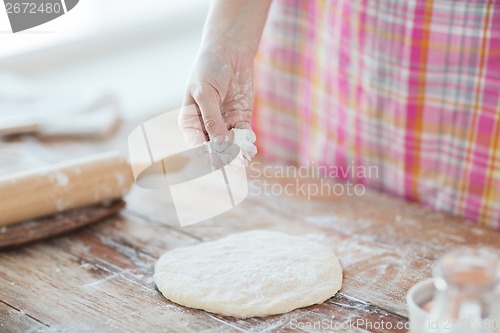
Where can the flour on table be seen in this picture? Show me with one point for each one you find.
(250, 274)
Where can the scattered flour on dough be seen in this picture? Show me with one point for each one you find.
(250, 274)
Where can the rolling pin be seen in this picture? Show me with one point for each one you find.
(62, 187)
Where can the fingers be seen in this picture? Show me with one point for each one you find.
(191, 123)
(208, 100)
(238, 118)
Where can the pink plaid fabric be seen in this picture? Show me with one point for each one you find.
(409, 86)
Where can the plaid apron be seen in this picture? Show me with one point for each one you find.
(411, 87)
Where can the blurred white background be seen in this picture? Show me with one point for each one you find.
(140, 51)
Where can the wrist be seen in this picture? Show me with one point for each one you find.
(227, 46)
(236, 24)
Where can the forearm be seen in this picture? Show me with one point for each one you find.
(235, 22)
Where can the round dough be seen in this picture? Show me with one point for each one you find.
(250, 274)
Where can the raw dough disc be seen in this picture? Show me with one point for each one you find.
(250, 274)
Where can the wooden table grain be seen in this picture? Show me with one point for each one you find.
(99, 278)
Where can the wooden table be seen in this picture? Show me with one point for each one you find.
(99, 279)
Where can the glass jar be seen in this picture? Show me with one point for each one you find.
(467, 295)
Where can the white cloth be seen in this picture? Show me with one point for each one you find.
(25, 108)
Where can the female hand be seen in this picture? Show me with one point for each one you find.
(221, 82)
(221, 89)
